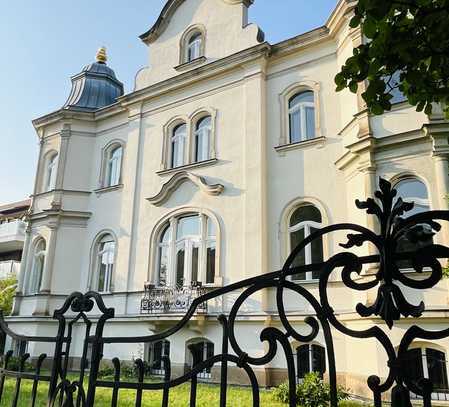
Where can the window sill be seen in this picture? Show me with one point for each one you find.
(319, 141)
(188, 166)
(192, 64)
(307, 282)
(100, 191)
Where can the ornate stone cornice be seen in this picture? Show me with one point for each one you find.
(174, 182)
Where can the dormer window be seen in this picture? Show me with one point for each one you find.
(192, 45)
(194, 48)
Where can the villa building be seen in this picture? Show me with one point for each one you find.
(12, 236)
(227, 154)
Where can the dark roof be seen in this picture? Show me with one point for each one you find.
(166, 14)
(95, 87)
(15, 207)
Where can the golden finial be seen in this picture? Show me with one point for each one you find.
(101, 55)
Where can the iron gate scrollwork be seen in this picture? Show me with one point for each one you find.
(391, 305)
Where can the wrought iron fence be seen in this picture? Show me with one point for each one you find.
(390, 306)
(158, 300)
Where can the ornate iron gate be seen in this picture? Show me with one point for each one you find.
(391, 305)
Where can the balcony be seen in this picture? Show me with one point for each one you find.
(9, 267)
(12, 236)
(164, 300)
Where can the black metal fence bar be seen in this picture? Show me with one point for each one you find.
(390, 306)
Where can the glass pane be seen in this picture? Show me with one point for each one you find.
(305, 213)
(300, 259)
(163, 265)
(412, 189)
(317, 253)
(295, 126)
(210, 228)
(310, 122)
(436, 364)
(301, 98)
(180, 267)
(102, 277)
(195, 253)
(210, 266)
(318, 360)
(302, 354)
(415, 370)
(188, 226)
(165, 237)
(157, 355)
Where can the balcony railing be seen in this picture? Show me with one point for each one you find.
(162, 300)
(12, 231)
(9, 267)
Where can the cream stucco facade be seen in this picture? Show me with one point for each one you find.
(248, 183)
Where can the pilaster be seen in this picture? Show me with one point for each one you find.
(255, 171)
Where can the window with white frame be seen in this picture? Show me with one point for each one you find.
(187, 251)
(301, 111)
(194, 47)
(310, 358)
(156, 352)
(199, 352)
(105, 257)
(414, 190)
(114, 156)
(178, 145)
(305, 220)
(50, 172)
(37, 267)
(203, 131)
(429, 363)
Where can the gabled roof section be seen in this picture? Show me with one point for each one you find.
(166, 14)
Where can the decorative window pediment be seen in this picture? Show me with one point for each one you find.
(174, 182)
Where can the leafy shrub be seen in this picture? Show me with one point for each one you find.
(7, 290)
(14, 364)
(312, 392)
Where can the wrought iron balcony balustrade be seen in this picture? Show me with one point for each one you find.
(163, 300)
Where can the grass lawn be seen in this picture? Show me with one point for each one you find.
(208, 396)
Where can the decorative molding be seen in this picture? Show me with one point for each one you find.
(174, 182)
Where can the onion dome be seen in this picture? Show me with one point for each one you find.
(96, 86)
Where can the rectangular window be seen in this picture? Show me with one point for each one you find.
(436, 366)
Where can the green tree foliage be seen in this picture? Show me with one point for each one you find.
(409, 38)
(7, 290)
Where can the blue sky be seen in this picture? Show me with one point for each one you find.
(44, 42)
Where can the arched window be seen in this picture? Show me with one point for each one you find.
(37, 267)
(104, 263)
(301, 110)
(178, 145)
(156, 351)
(194, 47)
(310, 358)
(304, 221)
(413, 190)
(187, 251)
(50, 172)
(200, 351)
(203, 130)
(430, 363)
(113, 165)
